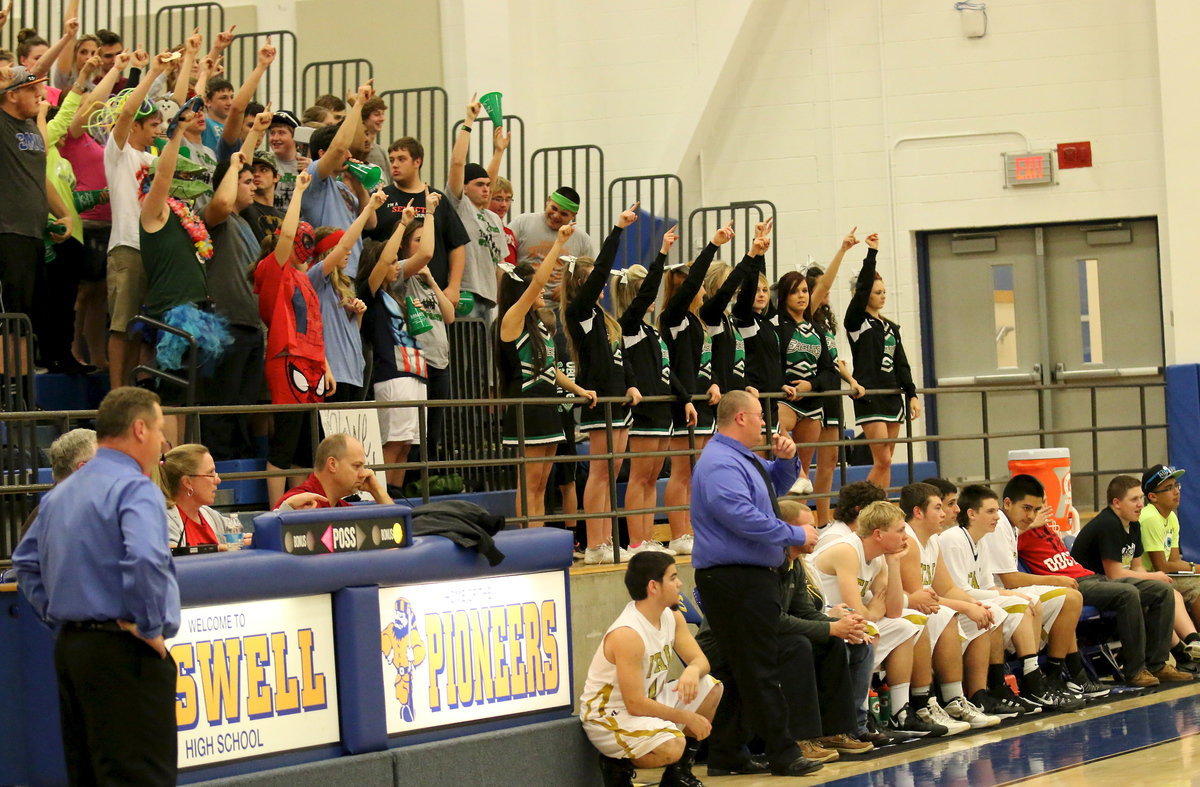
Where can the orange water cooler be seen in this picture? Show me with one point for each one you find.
(1051, 466)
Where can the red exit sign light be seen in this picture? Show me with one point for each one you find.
(1024, 169)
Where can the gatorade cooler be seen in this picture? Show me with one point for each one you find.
(1051, 466)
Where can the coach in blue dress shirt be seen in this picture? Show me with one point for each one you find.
(95, 565)
(740, 540)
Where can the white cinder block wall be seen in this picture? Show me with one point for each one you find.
(826, 108)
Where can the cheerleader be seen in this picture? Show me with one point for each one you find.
(821, 316)
(690, 348)
(807, 367)
(528, 370)
(648, 361)
(879, 362)
(756, 320)
(728, 346)
(594, 341)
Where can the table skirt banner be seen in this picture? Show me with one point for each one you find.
(255, 678)
(474, 649)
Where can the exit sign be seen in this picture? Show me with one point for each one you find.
(1026, 169)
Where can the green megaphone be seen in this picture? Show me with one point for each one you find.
(491, 102)
(368, 175)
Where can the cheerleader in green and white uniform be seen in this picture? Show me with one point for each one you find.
(528, 370)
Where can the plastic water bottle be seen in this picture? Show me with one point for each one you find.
(233, 533)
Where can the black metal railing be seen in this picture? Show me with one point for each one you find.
(579, 166)
(174, 23)
(704, 222)
(279, 84)
(482, 454)
(513, 166)
(19, 449)
(420, 113)
(333, 77)
(128, 18)
(661, 196)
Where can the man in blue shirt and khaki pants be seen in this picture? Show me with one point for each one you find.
(96, 566)
(740, 540)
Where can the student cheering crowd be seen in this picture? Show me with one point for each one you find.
(306, 273)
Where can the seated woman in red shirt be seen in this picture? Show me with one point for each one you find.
(189, 481)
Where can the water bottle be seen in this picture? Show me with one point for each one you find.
(233, 533)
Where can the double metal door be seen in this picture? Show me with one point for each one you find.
(1073, 307)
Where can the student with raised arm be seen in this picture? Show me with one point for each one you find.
(630, 711)
(328, 200)
(690, 348)
(95, 212)
(879, 363)
(176, 250)
(126, 157)
(863, 571)
(399, 360)
(594, 340)
(234, 129)
(468, 188)
(296, 369)
(528, 370)
(645, 356)
(341, 310)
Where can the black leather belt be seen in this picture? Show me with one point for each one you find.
(93, 625)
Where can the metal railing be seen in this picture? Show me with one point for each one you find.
(174, 23)
(481, 452)
(129, 18)
(278, 85)
(579, 166)
(421, 113)
(704, 222)
(336, 77)
(18, 451)
(513, 165)
(662, 198)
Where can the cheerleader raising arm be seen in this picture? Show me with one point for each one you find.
(513, 321)
(633, 316)
(825, 284)
(580, 308)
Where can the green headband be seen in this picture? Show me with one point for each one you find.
(563, 202)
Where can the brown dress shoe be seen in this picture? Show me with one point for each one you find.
(1142, 679)
(811, 750)
(1169, 674)
(845, 744)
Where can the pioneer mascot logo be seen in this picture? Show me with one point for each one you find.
(402, 646)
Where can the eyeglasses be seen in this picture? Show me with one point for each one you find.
(1172, 488)
(502, 199)
(213, 474)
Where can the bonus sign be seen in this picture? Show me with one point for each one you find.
(455, 652)
(255, 677)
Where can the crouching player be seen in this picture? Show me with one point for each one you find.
(630, 712)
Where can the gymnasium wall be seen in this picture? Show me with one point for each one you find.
(808, 103)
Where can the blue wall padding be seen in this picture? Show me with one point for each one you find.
(1183, 447)
(361, 706)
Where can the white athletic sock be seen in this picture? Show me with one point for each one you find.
(899, 696)
(952, 691)
(1029, 664)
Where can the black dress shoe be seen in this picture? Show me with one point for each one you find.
(743, 765)
(877, 739)
(801, 766)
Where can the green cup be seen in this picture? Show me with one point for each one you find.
(418, 321)
(491, 102)
(369, 175)
(466, 303)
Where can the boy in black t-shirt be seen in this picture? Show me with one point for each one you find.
(1108, 545)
